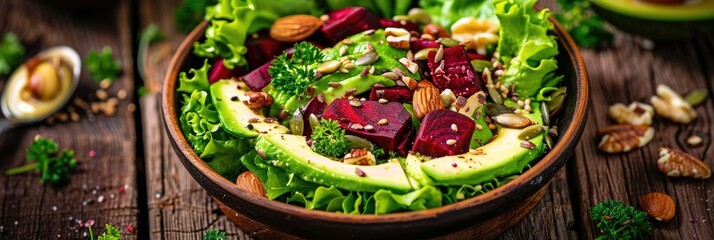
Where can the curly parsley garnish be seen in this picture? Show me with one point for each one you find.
(11, 51)
(102, 65)
(53, 168)
(294, 75)
(110, 233)
(617, 221)
(586, 28)
(329, 139)
(214, 234)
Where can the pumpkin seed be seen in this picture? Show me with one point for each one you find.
(448, 42)
(419, 15)
(545, 113)
(697, 96)
(329, 67)
(367, 59)
(512, 120)
(493, 109)
(479, 65)
(355, 142)
(296, 123)
(492, 91)
(557, 100)
(423, 54)
(314, 122)
(549, 141)
(531, 132)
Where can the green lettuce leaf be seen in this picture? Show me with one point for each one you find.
(198, 82)
(226, 156)
(447, 12)
(233, 20)
(525, 48)
(383, 8)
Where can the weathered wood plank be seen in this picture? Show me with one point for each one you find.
(29, 210)
(178, 207)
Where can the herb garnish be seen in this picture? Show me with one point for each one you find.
(586, 27)
(110, 233)
(214, 234)
(11, 52)
(617, 221)
(102, 65)
(294, 75)
(329, 139)
(53, 168)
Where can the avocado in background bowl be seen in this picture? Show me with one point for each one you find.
(659, 21)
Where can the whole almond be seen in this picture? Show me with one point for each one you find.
(249, 182)
(426, 99)
(676, 163)
(659, 206)
(294, 28)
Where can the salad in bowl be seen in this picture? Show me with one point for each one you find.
(373, 108)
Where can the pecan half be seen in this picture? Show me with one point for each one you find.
(671, 105)
(257, 99)
(636, 114)
(624, 138)
(676, 163)
(426, 99)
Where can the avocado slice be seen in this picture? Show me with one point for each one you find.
(236, 116)
(292, 153)
(501, 157)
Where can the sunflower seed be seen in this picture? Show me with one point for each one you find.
(343, 50)
(356, 103)
(329, 67)
(454, 127)
(511, 120)
(450, 142)
(391, 75)
(357, 126)
(367, 58)
(383, 101)
(369, 127)
(439, 54)
(549, 141)
(382, 121)
(369, 32)
(531, 132)
(399, 72)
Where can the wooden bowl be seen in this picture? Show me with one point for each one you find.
(483, 216)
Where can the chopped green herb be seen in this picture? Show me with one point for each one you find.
(618, 221)
(53, 168)
(215, 234)
(190, 13)
(110, 233)
(294, 75)
(586, 27)
(102, 65)
(11, 52)
(329, 139)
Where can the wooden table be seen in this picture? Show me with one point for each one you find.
(145, 188)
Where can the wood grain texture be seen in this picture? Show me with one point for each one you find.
(178, 206)
(29, 210)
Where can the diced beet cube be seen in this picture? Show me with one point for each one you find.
(456, 73)
(316, 106)
(392, 94)
(219, 71)
(258, 78)
(355, 121)
(404, 146)
(408, 25)
(263, 49)
(347, 22)
(437, 138)
(418, 44)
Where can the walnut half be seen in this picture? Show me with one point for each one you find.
(671, 105)
(624, 138)
(636, 114)
(676, 163)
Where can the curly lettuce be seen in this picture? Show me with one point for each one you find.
(384, 8)
(233, 20)
(525, 48)
(447, 12)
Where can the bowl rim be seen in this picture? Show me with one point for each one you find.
(660, 12)
(532, 176)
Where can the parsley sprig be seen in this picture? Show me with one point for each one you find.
(110, 233)
(102, 65)
(329, 139)
(214, 234)
(11, 52)
(294, 75)
(586, 27)
(618, 221)
(53, 168)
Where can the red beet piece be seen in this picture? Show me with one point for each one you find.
(475, 56)
(316, 106)
(347, 22)
(392, 94)
(456, 74)
(263, 49)
(408, 25)
(418, 44)
(386, 136)
(405, 144)
(258, 78)
(218, 71)
(436, 131)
